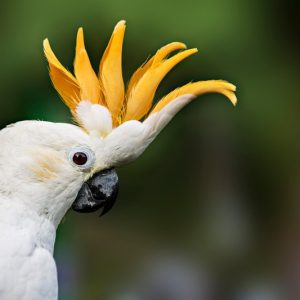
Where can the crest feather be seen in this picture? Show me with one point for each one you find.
(63, 81)
(110, 71)
(90, 96)
(161, 54)
(197, 89)
(140, 99)
(86, 77)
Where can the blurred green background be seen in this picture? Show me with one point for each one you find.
(210, 210)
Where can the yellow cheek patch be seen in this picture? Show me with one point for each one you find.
(46, 165)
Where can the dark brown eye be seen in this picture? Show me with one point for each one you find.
(80, 158)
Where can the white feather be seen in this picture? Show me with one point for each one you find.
(129, 140)
(94, 117)
(36, 193)
(31, 208)
(27, 266)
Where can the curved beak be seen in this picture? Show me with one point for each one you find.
(100, 191)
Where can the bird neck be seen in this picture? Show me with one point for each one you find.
(20, 221)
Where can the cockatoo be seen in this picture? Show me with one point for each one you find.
(47, 168)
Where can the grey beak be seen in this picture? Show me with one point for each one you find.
(100, 191)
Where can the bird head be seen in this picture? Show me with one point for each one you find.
(56, 165)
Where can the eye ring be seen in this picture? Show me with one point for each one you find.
(81, 157)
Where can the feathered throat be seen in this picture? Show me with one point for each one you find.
(108, 89)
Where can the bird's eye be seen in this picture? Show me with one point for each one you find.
(82, 157)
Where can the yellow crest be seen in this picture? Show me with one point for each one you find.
(107, 88)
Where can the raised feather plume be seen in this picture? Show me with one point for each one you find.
(107, 89)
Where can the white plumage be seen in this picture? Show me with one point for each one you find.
(38, 184)
(27, 266)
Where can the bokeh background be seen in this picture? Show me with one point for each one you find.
(210, 210)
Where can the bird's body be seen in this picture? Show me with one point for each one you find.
(46, 168)
(28, 270)
(27, 225)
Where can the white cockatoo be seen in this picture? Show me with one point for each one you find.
(46, 168)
